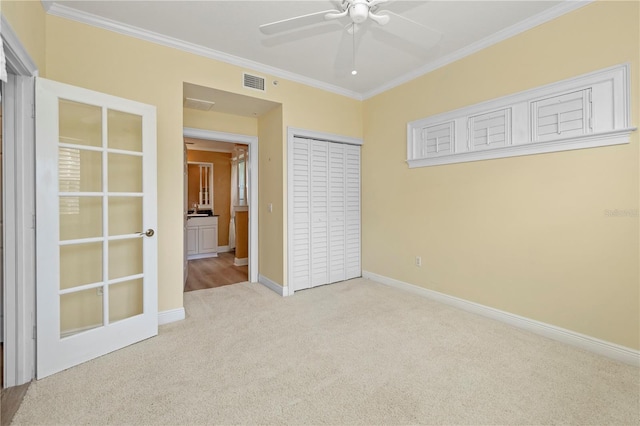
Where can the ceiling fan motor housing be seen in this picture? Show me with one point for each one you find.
(359, 11)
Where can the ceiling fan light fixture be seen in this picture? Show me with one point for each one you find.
(359, 11)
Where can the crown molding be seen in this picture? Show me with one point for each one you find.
(62, 11)
(548, 15)
(56, 9)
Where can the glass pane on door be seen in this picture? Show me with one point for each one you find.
(125, 300)
(79, 124)
(125, 258)
(80, 264)
(125, 173)
(125, 215)
(125, 131)
(80, 311)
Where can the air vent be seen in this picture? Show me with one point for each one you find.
(253, 82)
(198, 104)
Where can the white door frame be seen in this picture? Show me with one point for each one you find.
(18, 193)
(307, 134)
(252, 141)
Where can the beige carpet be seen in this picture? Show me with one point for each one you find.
(350, 353)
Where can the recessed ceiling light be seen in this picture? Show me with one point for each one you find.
(354, 72)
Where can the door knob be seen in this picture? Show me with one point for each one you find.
(149, 233)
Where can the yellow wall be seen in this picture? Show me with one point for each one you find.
(221, 122)
(527, 235)
(27, 19)
(93, 58)
(271, 183)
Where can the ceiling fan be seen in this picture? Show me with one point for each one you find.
(357, 12)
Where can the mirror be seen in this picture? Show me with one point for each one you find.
(200, 178)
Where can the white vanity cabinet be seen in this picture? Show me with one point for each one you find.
(202, 237)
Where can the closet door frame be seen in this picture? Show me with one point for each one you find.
(293, 132)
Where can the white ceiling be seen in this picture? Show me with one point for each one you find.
(320, 54)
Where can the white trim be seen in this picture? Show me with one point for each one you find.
(63, 11)
(172, 315)
(618, 137)
(201, 256)
(252, 141)
(588, 343)
(19, 194)
(224, 249)
(280, 290)
(320, 136)
(522, 26)
(241, 262)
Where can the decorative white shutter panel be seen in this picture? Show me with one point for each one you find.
(352, 187)
(337, 208)
(319, 213)
(562, 116)
(490, 130)
(437, 140)
(301, 250)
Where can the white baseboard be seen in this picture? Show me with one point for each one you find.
(588, 343)
(201, 256)
(241, 262)
(224, 249)
(172, 315)
(282, 291)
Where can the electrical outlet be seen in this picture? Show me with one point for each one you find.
(418, 261)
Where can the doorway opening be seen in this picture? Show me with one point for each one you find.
(216, 193)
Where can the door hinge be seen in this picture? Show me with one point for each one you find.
(33, 336)
(33, 221)
(33, 110)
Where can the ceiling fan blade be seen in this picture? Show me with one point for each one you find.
(380, 19)
(374, 3)
(336, 15)
(415, 32)
(296, 22)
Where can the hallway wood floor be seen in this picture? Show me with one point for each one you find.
(215, 272)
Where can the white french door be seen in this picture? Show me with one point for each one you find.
(96, 248)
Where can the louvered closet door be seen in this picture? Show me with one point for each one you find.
(337, 209)
(319, 213)
(325, 213)
(301, 215)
